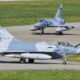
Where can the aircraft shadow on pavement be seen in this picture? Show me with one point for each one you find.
(44, 33)
(37, 33)
(9, 62)
(59, 62)
(46, 63)
(17, 62)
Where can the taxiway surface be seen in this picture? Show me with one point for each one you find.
(13, 64)
(24, 33)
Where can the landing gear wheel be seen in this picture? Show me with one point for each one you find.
(60, 33)
(22, 60)
(64, 62)
(31, 60)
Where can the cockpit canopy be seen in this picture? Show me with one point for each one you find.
(41, 20)
(65, 44)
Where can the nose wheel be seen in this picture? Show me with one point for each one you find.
(64, 59)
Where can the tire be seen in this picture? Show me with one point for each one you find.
(64, 63)
(30, 60)
(60, 33)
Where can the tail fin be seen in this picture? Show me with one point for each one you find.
(59, 12)
(4, 34)
(5, 39)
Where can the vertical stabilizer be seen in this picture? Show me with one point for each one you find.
(59, 12)
(5, 39)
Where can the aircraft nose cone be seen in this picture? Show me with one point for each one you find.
(32, 28)
(35, 27)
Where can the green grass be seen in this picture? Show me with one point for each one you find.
(40, 75)
(28, 12)
(74, 58)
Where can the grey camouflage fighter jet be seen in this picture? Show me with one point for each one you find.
(57, 21)
(12, 47)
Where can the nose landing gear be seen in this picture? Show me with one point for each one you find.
(64, 59)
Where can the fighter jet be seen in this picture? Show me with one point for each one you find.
(15, 48)
(57, 21)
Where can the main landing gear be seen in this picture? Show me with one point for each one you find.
(60, 33)
(30, 60)
(23, 60)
